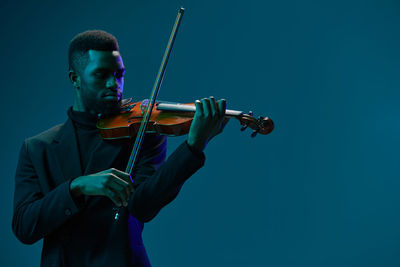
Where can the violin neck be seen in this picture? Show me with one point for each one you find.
(177, 107)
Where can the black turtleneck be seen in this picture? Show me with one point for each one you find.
(87, 134)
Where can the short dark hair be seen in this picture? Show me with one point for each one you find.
(89, 40)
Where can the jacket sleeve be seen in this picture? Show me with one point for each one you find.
(157, 182)
(37, 214)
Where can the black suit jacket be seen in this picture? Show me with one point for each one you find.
(83, 232)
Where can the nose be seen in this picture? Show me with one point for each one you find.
(112, 83)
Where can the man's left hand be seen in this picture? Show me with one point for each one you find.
(208, 121)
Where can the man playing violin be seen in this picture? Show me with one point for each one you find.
(69, 180)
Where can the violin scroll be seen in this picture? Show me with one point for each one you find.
(262, 125)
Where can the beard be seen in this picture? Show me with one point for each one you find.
(109, 109)
(100, 106)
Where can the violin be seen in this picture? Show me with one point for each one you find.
(170, 119)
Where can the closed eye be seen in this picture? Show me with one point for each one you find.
(100, 75)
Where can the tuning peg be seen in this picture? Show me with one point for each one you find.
(261, 120)
(254, 133)
(244, 127)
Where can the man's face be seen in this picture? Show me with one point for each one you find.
(102, 82)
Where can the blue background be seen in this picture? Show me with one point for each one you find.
(321, 190)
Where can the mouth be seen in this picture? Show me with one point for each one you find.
(112, 97)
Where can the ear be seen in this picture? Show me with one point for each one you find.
(74, 78)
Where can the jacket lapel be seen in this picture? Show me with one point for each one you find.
(66, 153)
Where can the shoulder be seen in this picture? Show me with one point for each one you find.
(154, 141)
(154, 146)
(40, 141)
(45, 137)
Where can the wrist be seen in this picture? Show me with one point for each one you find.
(194, 148)
(74, 188)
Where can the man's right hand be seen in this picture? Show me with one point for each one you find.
(112, 183)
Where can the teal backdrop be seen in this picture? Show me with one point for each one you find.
(321, 190)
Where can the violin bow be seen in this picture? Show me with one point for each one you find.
(156, 88)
